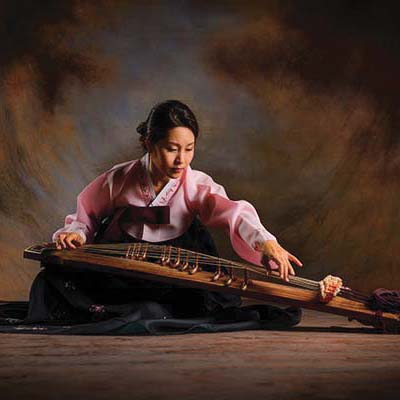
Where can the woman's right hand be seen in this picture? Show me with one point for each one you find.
(70, 240)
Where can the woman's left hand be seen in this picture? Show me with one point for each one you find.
(272, 250)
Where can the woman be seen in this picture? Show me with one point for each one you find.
(159, 199)
(169, 136)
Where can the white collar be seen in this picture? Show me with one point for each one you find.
(164, 195)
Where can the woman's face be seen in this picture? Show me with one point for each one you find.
(171, 155)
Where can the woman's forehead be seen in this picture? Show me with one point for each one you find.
(180, 135)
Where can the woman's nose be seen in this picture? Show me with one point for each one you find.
(179, 158)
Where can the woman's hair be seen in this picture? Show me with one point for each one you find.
(164, 117)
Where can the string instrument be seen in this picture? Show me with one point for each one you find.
(183, 267)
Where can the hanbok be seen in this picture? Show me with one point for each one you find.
(121, 206)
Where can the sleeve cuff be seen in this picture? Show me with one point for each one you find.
(260, 237)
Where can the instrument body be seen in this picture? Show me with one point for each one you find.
(161, 266)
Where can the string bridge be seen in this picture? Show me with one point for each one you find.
(176, 263)
(185, 260)
(185, 265)
(245, 282)
(196, 266)
(136, 252)
(231, 277)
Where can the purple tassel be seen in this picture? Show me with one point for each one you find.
(385, 300)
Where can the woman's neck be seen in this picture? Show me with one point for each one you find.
(158, 180)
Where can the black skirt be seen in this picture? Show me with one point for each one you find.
(86, 302)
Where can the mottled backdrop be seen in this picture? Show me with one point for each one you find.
(298, 103)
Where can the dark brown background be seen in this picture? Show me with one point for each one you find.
(298, 103)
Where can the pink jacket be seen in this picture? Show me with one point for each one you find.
(195, 193)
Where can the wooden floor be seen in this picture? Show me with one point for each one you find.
(313, 361)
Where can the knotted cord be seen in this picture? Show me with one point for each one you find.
(385, 300)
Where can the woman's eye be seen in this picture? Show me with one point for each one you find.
(171, 149)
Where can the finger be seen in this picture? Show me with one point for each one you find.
(281, 272)
(80, 239)
(295, 260)
(69, 242)
(265, 262)
(77, 242)
(72, 241)
(281, 265)
(285, 269)
(278, 263)
(62, 241)
(286, 276)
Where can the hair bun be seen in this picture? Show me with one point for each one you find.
(142, 129)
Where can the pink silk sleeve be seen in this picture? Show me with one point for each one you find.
(93, 204)
(239, 219)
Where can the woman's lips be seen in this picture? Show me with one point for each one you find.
(177, 169)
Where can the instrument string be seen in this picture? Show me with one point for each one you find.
(205, 260)
(172, 253)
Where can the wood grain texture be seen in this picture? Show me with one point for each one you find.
(325, 357)
(257, 289)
